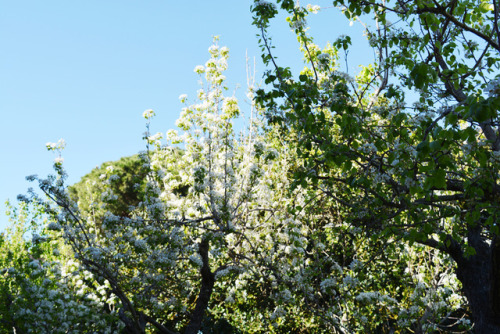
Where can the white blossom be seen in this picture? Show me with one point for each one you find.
(147, 114)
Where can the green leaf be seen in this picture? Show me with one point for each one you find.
(469, 251)
(469, 134)
(391, 92)
(480, 111)
(422, 74)
(438, 179)
(435, 145)
(452, 118)
(428, 228)
(485, 7)
(423, 148)
(482, 158)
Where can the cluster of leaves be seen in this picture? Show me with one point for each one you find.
(427, 171)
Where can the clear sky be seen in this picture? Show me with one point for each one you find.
(85, 70)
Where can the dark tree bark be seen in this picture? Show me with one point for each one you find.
(479, 275)
(132, 327)
(207, 285)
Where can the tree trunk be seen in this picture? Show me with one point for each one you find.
(132, 327)
(480, 277)
(207, 285)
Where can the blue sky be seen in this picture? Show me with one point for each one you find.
(85, 70)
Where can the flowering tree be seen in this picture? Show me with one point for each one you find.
(409, 148)
(203, 210)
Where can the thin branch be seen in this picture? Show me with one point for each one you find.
(441, 11)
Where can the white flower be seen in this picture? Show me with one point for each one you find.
(493, 87)
(323, 60)
(61, 144)
(286, 295)
(229, 299)
(36, 238)
(355, 265)
(54, 226)
(183, 98)
(34, 264)
(350, 281)
(213, 49)
(299, 24)
(346, 77)
(196, 259)
(173, 136)
(155, 137)
(328, 283)
(224, 51)
(199, 69)
(140, 244)
(323, 57)
(368, 148)
(222, 273)
(313, 8)
(263, 3)
(147, 114)
(230, 107)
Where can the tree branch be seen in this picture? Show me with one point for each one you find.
(207, 285)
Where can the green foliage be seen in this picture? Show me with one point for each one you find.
(38, 293)
(127, 184)
(424, 169)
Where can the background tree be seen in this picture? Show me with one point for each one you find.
(127, 186)
(410, 146)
